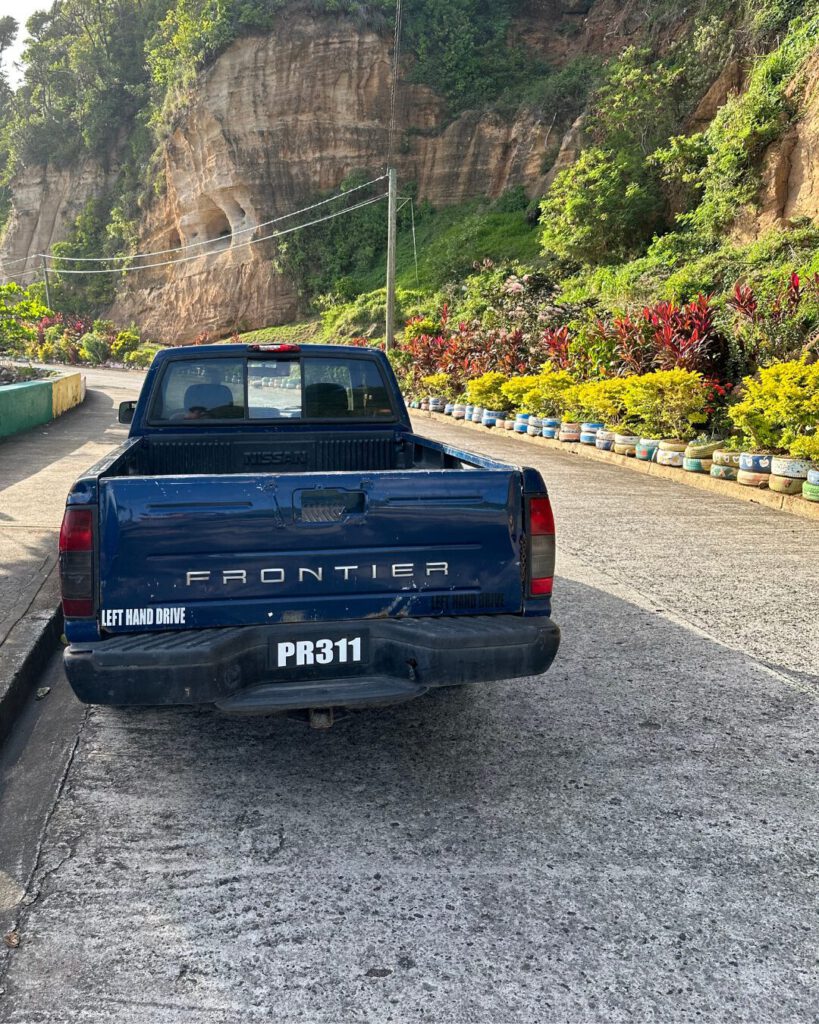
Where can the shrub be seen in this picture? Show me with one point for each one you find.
(125, 342)
(780, 408)
(487, 391)
(142, 357)
(440, 384)
(537, 393)
(667, 403)
(94, 347)
(597, 400)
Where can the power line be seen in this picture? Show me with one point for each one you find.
(163, 252)
(210, 242)
(396, 53)
(229, 248)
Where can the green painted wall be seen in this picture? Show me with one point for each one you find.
(23, 406)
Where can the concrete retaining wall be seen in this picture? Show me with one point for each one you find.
(66, 392)
(32, 403)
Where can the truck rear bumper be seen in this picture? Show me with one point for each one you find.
(235, 667)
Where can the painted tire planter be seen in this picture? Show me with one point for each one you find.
(604, 440)
(810, 492)
(796, 469)
(509, 423)
(697, 465)
(489, 418)
(425, 405)
(630, 450)
(750, 479)
(550, 428)
(673, 445)
(569, 432)
(647, 449)
(813, 476)
(521, 422)
(785, 484)
(588, 432)
(755, 462)
(477, 414)
(448, 409)
(724, 457)
(534, 426)
(702, 451)
(723, 472)
(458, 411)
(468, 412)
(436, 404)
(669, 457)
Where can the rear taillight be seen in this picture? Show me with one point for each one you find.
(541, 561)
(77, 563)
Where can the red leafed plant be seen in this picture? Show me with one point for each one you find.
(557, 340)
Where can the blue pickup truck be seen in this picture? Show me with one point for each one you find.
(273, 535)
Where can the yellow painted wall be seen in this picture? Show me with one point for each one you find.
(66, 392)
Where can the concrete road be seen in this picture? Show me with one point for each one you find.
(631, 838)
(36, 470)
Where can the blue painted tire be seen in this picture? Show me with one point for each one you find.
(813, 477)
(645, 452)
(549, 432)
(754, 462)
(550, 421)
(604, 444)
(521, 422)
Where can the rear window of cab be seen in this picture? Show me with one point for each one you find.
(240, 390)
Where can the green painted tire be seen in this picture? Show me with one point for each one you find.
(810, 492)
(696, 465)
(702, 451)
(723, 472)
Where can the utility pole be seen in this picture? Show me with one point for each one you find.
(45, 278)
(392, 225)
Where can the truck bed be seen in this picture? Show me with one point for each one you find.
(229, 453)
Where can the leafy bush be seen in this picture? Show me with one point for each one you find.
(487, 391)
(667, 403)
(94, 347)
(142, 357)
(126, 341)
(603, 400)
(780, 407)
(440, 385)
(537, 393)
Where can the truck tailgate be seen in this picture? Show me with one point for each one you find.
(192, 552)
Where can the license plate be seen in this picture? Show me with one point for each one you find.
(318, 653)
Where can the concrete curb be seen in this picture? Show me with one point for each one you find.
(726, 488)
(34, 403)
(27, 649)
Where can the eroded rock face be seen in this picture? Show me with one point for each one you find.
(790, 169)
(46, 203)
